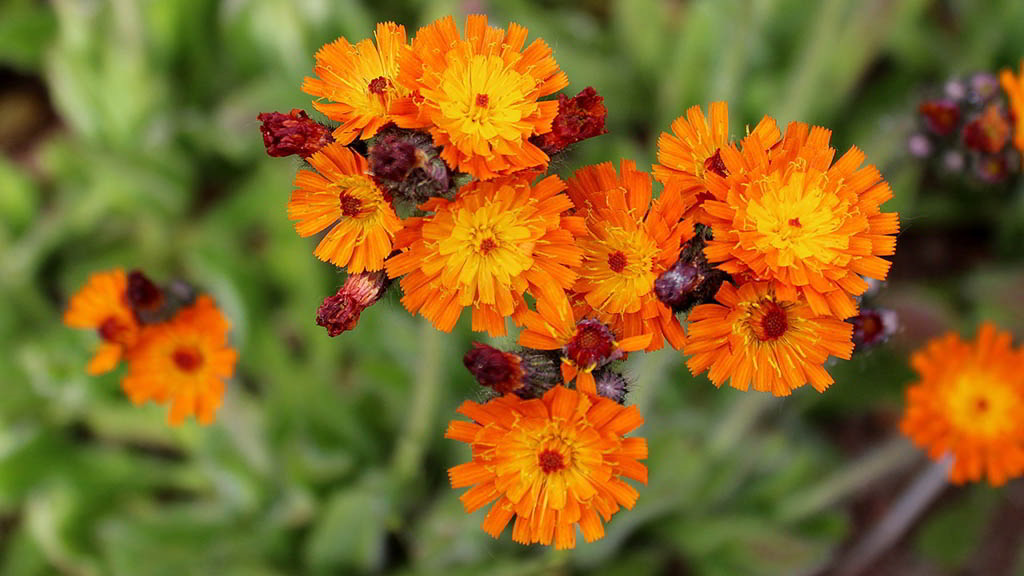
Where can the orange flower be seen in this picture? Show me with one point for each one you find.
(342, 195)
(789, 216)
(483, 250)
(586, 343)
(184, 361)
(694, 148)
(628, 242)
(755, 335)
(550, 463)
(1013, 85)
(358, 82)
(102, 304)
(479, 97)
(968, 402)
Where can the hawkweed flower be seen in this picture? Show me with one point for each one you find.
(694, 149)
(754, 335)
(479, 97)
(340, 312)
(629, 242)
(584, 343)
(292, 133)
(526, 373)
(103, 305)
(1013, 85)
(183, 361)
(355, 84)
(483, 250)
(793, 217)
(967, 402)
(550, 463)
(340, 195)
(579, 118)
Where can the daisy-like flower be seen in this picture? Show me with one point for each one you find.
(103, 305)
(694, 148)
(495, 241)
(586, 343)
(754, 335)
(356, 84)
(967, 403)
(479, 97)
(341, 194)
(550, 463)
(792, 217)
(629, 242)
(185, 362)
(1013, 85)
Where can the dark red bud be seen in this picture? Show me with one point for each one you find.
(293, 133)
(580, 117)
(340, 313)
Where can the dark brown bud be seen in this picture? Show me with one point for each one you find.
(675, 285)
(873, 326)
(691, 280)
(340, 313)
(580, 117)
(143, 295)
(293, 133)
(407, 165)
(500, 371)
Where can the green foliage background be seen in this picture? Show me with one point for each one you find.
(328, 457)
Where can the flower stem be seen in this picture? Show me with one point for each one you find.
(413, 441)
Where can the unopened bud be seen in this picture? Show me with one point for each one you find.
(940, 116)
(407, 165)
(526, 373)
(612, 385)
(143, 295)
(691, 280)
(873, 326)
(675, 285)
(340, 313)
(580, 117)
(293, 133)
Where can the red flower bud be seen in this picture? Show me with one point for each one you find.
(579, 118)
(293, 133)
(340, 313)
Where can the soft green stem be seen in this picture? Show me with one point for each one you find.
(740, 418)
(855, 477)
(808, 71)
(415, 436)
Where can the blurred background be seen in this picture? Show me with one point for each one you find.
(130, 140)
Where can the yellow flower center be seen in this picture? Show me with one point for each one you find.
(484, 100)
(621, 265)
(487, 244)
(797, 221)
(980, 406)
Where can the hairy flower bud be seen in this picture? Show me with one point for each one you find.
(526, 373)
(691, 280)
(873, 326)
(406, 164)
(580, 117)
(611, 384)
(293, 133)
(340, 313)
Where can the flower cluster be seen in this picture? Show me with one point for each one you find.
(434, 180)
(175, 343)
(967, 403)
(974, 128)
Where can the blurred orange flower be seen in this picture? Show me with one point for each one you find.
(185, 362)
(550, 463)
(102, 304)
(968, 403)
(1013, 85)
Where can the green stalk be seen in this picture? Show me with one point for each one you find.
(426, 385)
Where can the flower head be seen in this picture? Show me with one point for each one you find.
(968, 402)
(103, 305)
(755, 335)
(1013, 85)
(628, 243)
(479, 96)
(585, 343)
(579, 118)
(790, 216)
(694, 149)
(341, 196)
(485, 249)
(550, 463)
(184, 362)
(356, 84)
